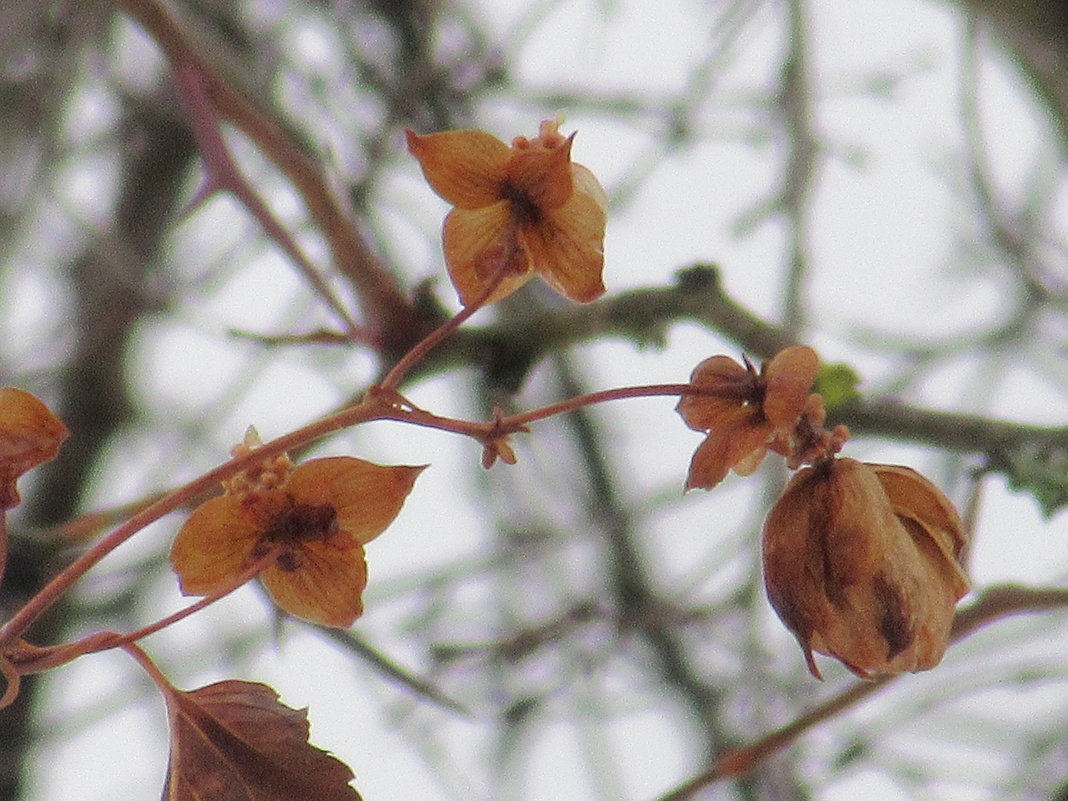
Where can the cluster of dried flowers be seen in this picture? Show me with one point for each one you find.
(861, 561)
(520, 210)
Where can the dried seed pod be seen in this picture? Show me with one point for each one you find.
(861, 563)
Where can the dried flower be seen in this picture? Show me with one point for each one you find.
(745, 412)
(861, 562)
(314, 519)
(527, 205)
(29, 435)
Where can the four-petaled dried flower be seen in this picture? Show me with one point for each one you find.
(310, 521)
(522, 210)
(861, 562)
(745, 412)
(29, 435)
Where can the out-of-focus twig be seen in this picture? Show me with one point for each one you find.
(1036, 31)
(993, 604)
(223, 175)
(386, 312)
(354, 644)
(794, 107)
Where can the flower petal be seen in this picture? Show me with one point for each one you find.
(29, 434)
(474, 242)
(366, 496)
(930, 518)
(724, 448)
(586, 183)
(541, 173)
(213, 545)
(789, 376)
(327, 584)
(566, 244)
(466, 168)
(729, 385)
(914, 495)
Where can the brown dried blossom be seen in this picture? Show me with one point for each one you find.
(861, 562)
(314, 518)
(745, 412)
(526, 204)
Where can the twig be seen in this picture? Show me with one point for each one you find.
(352, 643)
(385, 310)
(223, 175)
(802, 150)
(993, 604)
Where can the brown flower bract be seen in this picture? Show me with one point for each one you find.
(524, 209)
(861, 563)
(744, 412)
(315, 518)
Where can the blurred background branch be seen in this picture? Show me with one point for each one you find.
(575, 608)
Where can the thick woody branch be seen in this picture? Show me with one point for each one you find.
(963, 433)
(644, 316)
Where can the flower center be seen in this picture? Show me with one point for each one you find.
(298, 524)
(525, 211)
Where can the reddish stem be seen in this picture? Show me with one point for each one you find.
(503, 426)
(242, 578)
(51, 592)
(149, 667)
(431, 340)
(12, 679)
(516, 421)
(34, 659)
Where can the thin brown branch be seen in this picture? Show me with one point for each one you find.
(223, 174)
(993, 604)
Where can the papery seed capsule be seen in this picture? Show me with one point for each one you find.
(861, 563)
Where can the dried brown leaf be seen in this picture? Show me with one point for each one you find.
(234, 741)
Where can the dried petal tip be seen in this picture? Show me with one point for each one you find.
(29, 435)
(861, 563)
